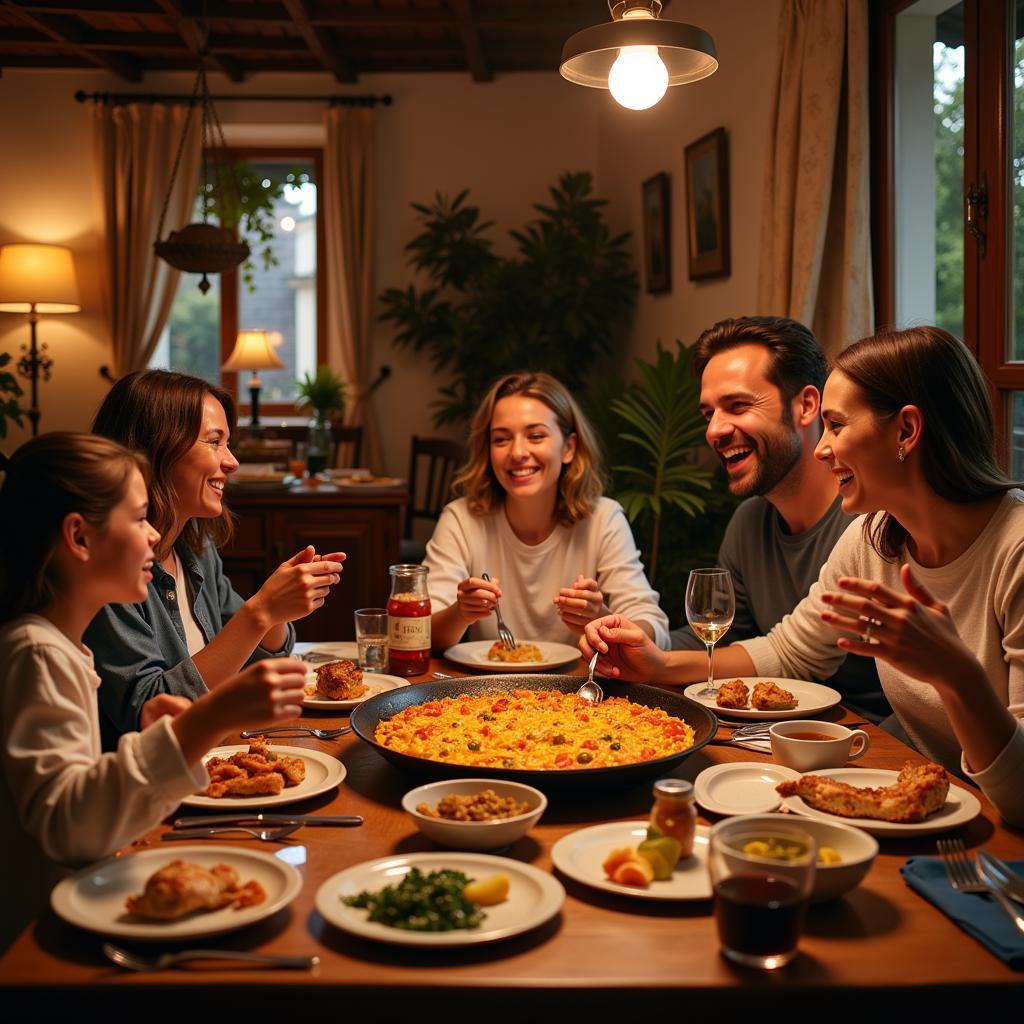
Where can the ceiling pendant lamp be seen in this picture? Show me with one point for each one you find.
(638, 55)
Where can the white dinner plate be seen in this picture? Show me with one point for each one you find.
(741, 787)
(811, 698)
(376, 682)
(323, 772)
(473, 654)
(579, 856)
(961, 806)
(94, 898)
(534, 897)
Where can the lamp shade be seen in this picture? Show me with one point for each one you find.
(39, 276)
(253, 350)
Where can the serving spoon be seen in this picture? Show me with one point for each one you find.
(591, 691)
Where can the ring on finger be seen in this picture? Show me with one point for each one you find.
(869, 629)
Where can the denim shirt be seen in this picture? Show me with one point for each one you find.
(140, 649)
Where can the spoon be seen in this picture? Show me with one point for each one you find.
(590, 690)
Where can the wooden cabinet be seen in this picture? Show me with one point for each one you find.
(271, 525)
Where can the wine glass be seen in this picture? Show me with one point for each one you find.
(710, 606)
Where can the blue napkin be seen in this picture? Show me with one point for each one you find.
(979, 915)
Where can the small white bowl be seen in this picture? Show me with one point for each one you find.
(474, 835)
(856, 847)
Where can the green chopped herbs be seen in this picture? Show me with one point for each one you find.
(422, 903)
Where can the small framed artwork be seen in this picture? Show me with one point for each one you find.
(707, 205)
(657, 247)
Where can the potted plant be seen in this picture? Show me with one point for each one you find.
(324, 393)
(10, 391)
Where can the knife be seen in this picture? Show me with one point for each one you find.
(1000, 871)
(198, 821)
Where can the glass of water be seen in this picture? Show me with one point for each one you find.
(710, 607)
(372, 639)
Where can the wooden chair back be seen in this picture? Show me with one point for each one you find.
(432, 465)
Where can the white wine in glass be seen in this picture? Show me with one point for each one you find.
(710, 607)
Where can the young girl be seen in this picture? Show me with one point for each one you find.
(74, 536)
(532, 517)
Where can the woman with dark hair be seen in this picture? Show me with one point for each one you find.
(193, 631)
(532, 516)
(929, 581)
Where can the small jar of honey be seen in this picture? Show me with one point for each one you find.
(674, 812)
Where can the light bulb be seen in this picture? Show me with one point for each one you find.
(638, 78)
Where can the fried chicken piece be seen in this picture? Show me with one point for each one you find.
(291, 769)
(265, 784)
(180, 888)
(771, 697)
(260, 745)
(340, 680)
(919, 790)
(254, 764)
(224, 771)
(733, 694)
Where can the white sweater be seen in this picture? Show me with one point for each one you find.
(984, 591)
(62, 800)
(600, 547)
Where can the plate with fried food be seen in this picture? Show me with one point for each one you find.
(159, 895)
(260, 774)
(918, 800)
(341, 685)
(527, 656)
(766, 697)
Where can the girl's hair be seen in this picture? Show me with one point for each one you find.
(929, 368)
(160, 413)
(581, 482)
(46, 480)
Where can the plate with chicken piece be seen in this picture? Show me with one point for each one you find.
(917, 791)
(97, 897)
(762, 698)
(244, 778)
(328, 690)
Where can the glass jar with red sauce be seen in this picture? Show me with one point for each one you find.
(409, 621)
(674, 812)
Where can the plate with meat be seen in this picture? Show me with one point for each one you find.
(917, 800)
(195, 890)
(341, 685)
(528, 655)
(766, 697)
(257, 775)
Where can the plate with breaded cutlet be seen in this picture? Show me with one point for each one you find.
(766, 697)
(341, 685)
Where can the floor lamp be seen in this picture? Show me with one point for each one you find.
(254, 350)
(36, 279)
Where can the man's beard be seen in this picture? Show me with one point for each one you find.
(776, 456)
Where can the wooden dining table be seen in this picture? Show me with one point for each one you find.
(880, 946)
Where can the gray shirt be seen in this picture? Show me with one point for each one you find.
(772, 571)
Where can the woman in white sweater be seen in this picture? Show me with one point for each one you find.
(929, 581)
(533, 518)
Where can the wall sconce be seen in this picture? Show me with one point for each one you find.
(254, 350)
(37, 279)
(638, 55)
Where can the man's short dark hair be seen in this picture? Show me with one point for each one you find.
(795, 357)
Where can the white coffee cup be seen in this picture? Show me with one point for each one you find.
(808, 746)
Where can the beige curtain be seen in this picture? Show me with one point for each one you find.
(348, 210)
(135, 146)
(815, 262)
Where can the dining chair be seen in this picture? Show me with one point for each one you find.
(432, 465)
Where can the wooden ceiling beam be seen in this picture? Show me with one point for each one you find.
(319, 42)
(478, 66)
(195, 38)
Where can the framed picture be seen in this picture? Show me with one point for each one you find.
(657, 247)
(707, 205)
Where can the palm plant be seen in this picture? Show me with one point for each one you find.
(10, 391)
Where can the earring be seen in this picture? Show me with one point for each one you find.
(901, 454)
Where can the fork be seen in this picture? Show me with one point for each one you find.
(271, 835)
(137, 962)
(964, 876)
(297, 730)
(504, 633)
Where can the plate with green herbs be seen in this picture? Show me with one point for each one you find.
(419, 899)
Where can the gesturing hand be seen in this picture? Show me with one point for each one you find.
(264, 692)
(476, 597)
(162, 704)
(299, 586)
(581, 603)
(626, 651)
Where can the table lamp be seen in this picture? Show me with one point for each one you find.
(254, 350)
(37, 279)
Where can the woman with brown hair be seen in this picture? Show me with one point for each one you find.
(193, 631)
(531, 515)
(929, 580)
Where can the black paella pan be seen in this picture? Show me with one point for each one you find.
(370, 713)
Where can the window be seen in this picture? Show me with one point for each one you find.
(287, 296)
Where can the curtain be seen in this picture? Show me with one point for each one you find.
(815, 258)
(348, 210)
(135, 146)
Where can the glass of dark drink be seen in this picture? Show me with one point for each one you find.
(762, 880)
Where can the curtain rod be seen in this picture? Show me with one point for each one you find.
(121, 98)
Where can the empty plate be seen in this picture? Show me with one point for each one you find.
(741, 787)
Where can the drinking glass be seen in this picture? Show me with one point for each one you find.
(372, 638)
(710, 606)
(760, 900)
